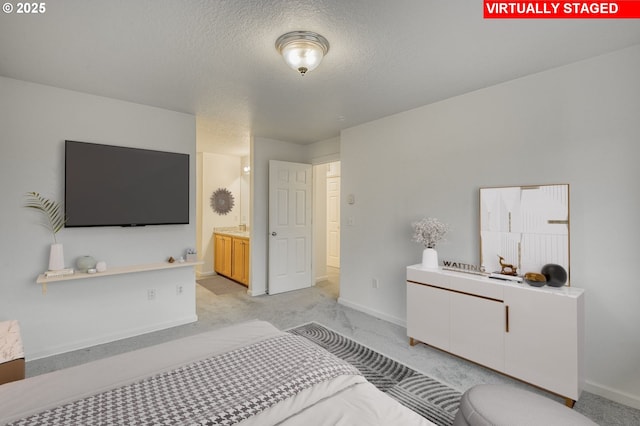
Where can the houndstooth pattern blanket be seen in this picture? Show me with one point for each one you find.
(221, 390)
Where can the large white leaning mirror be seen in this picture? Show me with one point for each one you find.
(528, 226)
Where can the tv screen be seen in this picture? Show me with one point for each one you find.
(117, 186)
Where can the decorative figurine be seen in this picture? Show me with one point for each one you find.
(507, 268)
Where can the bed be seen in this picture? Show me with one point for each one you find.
(250, 373)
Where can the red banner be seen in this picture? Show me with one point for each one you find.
(623, 9)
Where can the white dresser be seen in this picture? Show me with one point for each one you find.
(534, 334)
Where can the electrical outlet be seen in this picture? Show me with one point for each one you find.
(151, 294)
(179, 289)
(374, 282)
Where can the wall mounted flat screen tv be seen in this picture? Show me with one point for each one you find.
(118, 186)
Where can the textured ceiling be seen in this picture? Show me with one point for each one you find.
(216, 58)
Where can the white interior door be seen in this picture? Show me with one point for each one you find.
(333, 221)
(290, 192)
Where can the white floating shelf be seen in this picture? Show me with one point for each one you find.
(44, 280)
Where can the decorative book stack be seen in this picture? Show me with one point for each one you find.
(504, 277)
(59, 272)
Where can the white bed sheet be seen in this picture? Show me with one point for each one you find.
(348, 400)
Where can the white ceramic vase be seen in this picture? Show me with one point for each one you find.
(430, 258)
(56, 257)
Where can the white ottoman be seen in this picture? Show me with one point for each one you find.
(502, 405)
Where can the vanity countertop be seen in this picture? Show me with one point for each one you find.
(233, 231)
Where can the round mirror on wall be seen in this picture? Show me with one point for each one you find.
(222, 201)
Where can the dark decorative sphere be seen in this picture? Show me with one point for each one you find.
(555, 274)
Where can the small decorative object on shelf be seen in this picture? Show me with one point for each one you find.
(555, 274)
(101, 266)
(499, 276)
(429, 232)
(535, 279)
(192, 255)
(171, 259)
(84, 263)
(467, 268)
(507, 268)
(59, 272)
(56, 257)
(54, 213)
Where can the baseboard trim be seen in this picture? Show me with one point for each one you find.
(82, 344)
(252, 292)
(200, 275)
(373, 312)
(322, 278)
(613, 394)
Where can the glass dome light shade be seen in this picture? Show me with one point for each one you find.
(302, 50)
(302, 55)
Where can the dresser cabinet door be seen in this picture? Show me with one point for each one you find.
(477, 329)
(542, 344)
(429, 315)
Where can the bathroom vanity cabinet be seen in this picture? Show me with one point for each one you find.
(231, 256)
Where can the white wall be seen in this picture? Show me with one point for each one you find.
(35, 120)
(218, 171)
(577, 124)
(245, 191)
(325, 151)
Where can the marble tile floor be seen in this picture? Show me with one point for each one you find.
(319, 304)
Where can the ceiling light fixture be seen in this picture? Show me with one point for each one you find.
(302, 50)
